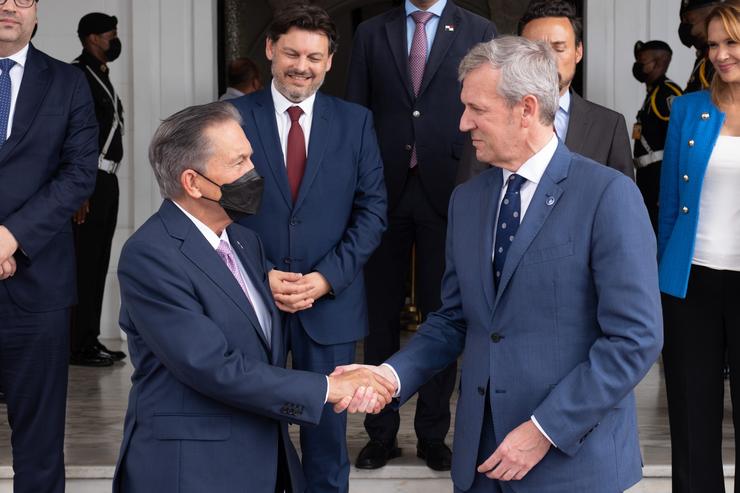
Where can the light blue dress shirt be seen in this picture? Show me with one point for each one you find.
(562, 116)
(431, 25)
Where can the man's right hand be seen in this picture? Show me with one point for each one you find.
(289, 296)
(7, 268)
(349, 389)
(381, 371)
(81, 214)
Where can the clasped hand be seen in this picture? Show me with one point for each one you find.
(8, 246)
(361, 388)
(294, 292)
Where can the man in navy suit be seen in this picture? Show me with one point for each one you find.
(211, 398)
(550, 294)
(48, 139)
(404, 69)
(323, 214)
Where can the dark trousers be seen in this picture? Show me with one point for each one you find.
(93, 240)
(324, 447)
(699, 330)
(648, 181)
(33, 374)
(412, 222)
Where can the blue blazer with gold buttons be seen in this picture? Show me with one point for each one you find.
(692, 132)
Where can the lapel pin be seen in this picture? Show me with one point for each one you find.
(550, 200)
(449, 28)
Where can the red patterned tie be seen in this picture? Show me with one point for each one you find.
(295, 160)
(418, 59)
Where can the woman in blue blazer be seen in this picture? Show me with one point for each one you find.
(699, 256)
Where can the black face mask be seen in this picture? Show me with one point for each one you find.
(684, 34)
(637, 72)
(242, 197)
(114, 49)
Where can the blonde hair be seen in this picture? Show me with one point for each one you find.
(729, 15)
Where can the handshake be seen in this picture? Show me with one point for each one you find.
(361, 388)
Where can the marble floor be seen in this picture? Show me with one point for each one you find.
(98, 397)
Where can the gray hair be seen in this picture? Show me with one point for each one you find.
(180, 143)
(527, 68)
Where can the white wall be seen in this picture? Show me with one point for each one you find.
(613, 26)
(168, 62)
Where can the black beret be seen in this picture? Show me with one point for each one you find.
(652, 45)
(96, 23)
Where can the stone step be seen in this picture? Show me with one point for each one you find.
(402, 475)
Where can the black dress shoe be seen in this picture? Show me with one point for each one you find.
(376, 454)
(437, 455)
(90, 357)
(114, 355)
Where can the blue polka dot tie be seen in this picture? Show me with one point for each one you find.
(507, 225)
(5, 96)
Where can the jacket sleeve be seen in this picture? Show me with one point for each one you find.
(162, 304)
(625, 277)
(358, 77)
(620, 152)
(668, 195)
(45, 213)
(368, 220)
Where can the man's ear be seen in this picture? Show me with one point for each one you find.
(530, 110)
(189, 185)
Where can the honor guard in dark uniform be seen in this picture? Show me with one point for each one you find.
(95, 222)
(692, 32)
(649, 132)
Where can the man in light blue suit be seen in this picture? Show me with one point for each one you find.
(324, 213)
(550, 294)
(211, 399)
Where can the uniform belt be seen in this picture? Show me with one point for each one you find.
(648, 159)
(108, 166)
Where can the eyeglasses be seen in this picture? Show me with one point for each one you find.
(21, 4)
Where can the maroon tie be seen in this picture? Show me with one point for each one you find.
(418, 59)
(296, 152)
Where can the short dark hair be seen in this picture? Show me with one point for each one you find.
(538, 9)
(303, 16)
(242, 71)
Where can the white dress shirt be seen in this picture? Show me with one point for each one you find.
(231, 93)
(562, 116)
(263, 314)
(282, 104)
(430, 27)
(16, 76)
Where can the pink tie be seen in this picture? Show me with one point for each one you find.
(227, 255)
(418, 59)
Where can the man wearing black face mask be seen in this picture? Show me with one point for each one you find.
(649, 132)
(692, 32)
(95, 221)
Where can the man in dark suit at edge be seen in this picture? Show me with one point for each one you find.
(404, 68)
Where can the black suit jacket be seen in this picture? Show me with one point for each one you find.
(47, 169)
(379, 79)
(593, 131)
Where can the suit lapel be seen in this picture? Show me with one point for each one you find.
(578, 124)
(197, 249)
(266, 124)
(257, 274)
(34, 85)
(442, 41)
(395, 30)
(489, 206)
(317, 142)
(544, 201)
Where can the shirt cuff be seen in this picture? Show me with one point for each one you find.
(326, 397)
(398, 380)
(534, 420)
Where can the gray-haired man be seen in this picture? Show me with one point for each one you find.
(568, 318)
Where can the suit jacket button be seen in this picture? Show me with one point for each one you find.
(416, 114)
(286, 260)
(293, 221)
(481, 391)
(685, 177)
(496, 337)
(691, 143)
(407, 147)
(685, 210)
